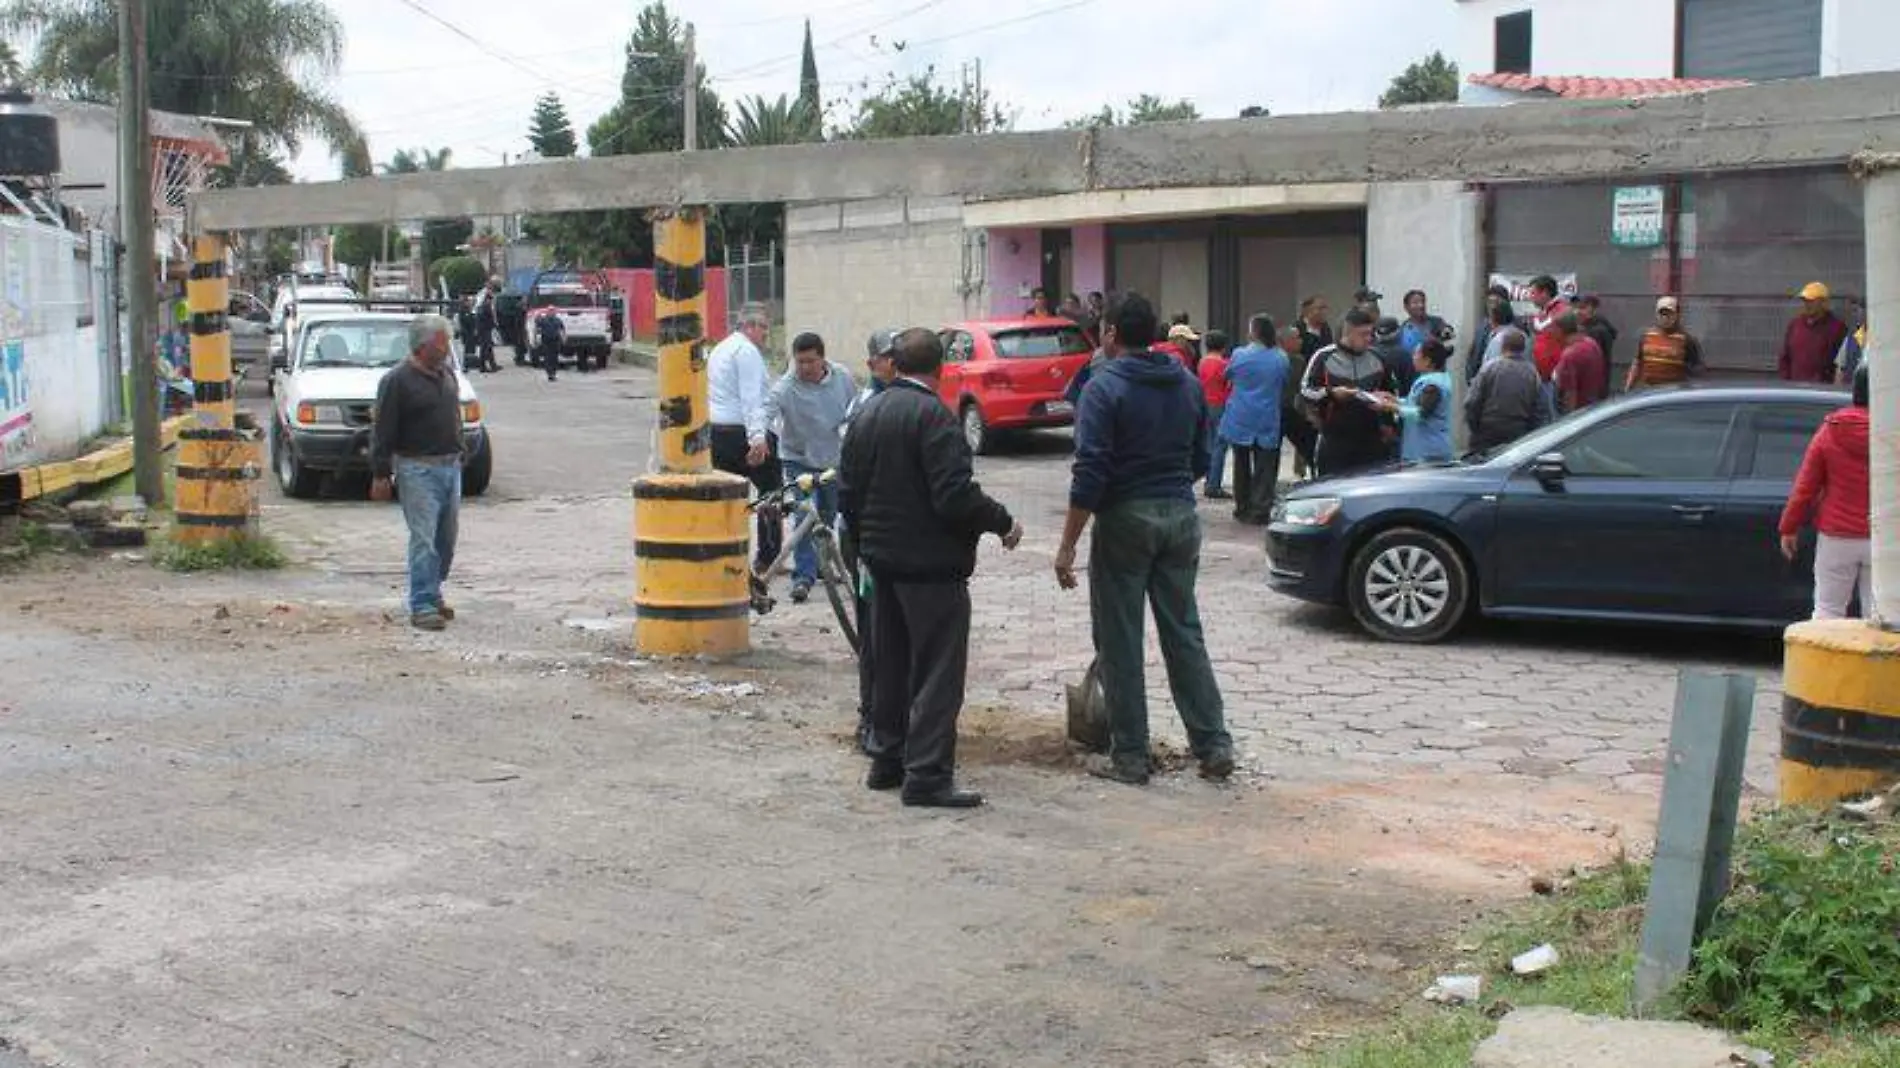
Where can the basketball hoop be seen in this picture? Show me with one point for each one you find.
(180, 167)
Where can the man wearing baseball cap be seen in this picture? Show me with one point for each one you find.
(1813, 339)
(1667, 354)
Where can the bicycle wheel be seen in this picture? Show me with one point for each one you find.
(837, 587)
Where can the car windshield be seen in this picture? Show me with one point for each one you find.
(1041, 341)
(323, 294)
(1537, 442)
(356, 343)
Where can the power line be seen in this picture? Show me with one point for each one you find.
(477, 42)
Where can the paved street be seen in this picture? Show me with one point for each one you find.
(250, 821)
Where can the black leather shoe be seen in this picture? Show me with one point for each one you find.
(948, 797)
(881, 778)
(1218, 765)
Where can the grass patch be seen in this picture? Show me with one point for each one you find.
(23, 539)
(248, 551)
(1802, 959)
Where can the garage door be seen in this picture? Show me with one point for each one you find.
(1756, 40)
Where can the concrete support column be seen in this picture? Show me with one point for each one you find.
(217, 460)
(1840, 718)
(1882, 210)
(692, 582)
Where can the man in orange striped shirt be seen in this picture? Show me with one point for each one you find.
(1668, 354)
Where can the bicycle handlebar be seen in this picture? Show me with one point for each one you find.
(803, 484)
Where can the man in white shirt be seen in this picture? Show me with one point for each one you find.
(736, 384)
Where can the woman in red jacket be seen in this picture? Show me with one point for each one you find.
(1831, 491)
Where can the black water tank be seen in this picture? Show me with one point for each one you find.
(29, 137)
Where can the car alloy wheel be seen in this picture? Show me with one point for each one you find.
(975, 430)
(1409, 585)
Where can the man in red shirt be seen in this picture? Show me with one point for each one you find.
(1216, 389)
(1582, 375)
(1813, 339)
(1548, 346)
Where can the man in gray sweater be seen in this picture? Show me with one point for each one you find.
(1508, 400)
(811, 403)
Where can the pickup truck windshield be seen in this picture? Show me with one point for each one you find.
(569, 299)
(355, 344)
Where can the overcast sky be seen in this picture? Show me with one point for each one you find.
(414, 83)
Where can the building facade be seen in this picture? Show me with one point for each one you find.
(1746, 40)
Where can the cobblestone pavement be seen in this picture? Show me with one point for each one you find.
(1302, 683)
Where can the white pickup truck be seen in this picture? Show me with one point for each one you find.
(324, 399)
(585, 308)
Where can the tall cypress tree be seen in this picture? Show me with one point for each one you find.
(549, 131)
(808, 82)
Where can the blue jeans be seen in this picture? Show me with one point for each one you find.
(805, 557)
(431, 499)
(1216, 450)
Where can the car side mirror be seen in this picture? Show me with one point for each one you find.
(1550, 468)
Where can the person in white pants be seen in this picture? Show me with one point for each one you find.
(1831, 493)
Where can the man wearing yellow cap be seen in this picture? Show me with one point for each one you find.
(1813, 339)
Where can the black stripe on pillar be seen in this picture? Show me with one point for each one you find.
(679, 329)
(692, 613)
(209, 434)
(699, 441)
(698, 552)
(227, 522)
(673, 281)
(720, 490)
(699, 356)
(213, 474)
(676, 412)
(207, 269)
(1823, 737)
(213, 392)
(214, 322)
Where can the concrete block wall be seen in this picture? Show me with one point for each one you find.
(855, 267)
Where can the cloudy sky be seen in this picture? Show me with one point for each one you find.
(413, 82)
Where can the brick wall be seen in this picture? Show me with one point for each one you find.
(855, 267)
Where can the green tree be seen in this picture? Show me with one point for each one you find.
(417, 160)
(11, 73)
(648, 117)
(550, 131)
(464, 274)
(1432, 80)
(921, 106)
(808, 89)
(1145, 108)
(761, 122)
(263, 61)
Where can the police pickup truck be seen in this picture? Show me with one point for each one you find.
(324, 397)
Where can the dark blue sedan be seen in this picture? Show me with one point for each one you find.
(1657, 507)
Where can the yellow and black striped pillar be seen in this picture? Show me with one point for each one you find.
(217, 462)
(692, 592)
(1840, 716)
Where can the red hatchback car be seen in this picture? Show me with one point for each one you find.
(1011, 374)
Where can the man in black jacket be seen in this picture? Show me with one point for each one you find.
(908, 490)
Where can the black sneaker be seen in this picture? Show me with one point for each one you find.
(801, 592)
(1218, 765)
(1106, 767)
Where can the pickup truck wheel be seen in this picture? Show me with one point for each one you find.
(479, 469)
(291, 475)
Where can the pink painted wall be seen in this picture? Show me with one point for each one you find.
(1091, 259)
(1011, 273)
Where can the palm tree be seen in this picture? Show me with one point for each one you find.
(772, 122)
(417, 160)
(11, 73)
(257, 60)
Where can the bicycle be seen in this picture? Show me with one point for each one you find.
(798, 498)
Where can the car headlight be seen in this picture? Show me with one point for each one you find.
(309, 414)
(471, 411)
(1306, 511)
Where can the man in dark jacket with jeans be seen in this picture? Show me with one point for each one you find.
(909, 493)
(1138, 450)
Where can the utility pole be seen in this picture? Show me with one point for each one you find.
(692, 92)
(136, 223)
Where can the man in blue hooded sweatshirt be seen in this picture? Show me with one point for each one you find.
(1139, 447)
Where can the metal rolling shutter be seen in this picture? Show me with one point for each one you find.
(1756, 40)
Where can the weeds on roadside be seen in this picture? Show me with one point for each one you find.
(249, 551)
(1811, 932)
(21, 540)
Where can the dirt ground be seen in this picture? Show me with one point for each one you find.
(250, 821)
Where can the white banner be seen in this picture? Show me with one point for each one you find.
(1520, 287)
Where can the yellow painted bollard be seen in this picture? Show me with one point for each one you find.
(691, 590)
(1840, 716)
(217, 462)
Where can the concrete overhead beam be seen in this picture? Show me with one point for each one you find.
(1793, 123)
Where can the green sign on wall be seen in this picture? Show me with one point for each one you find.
(1636, 216)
